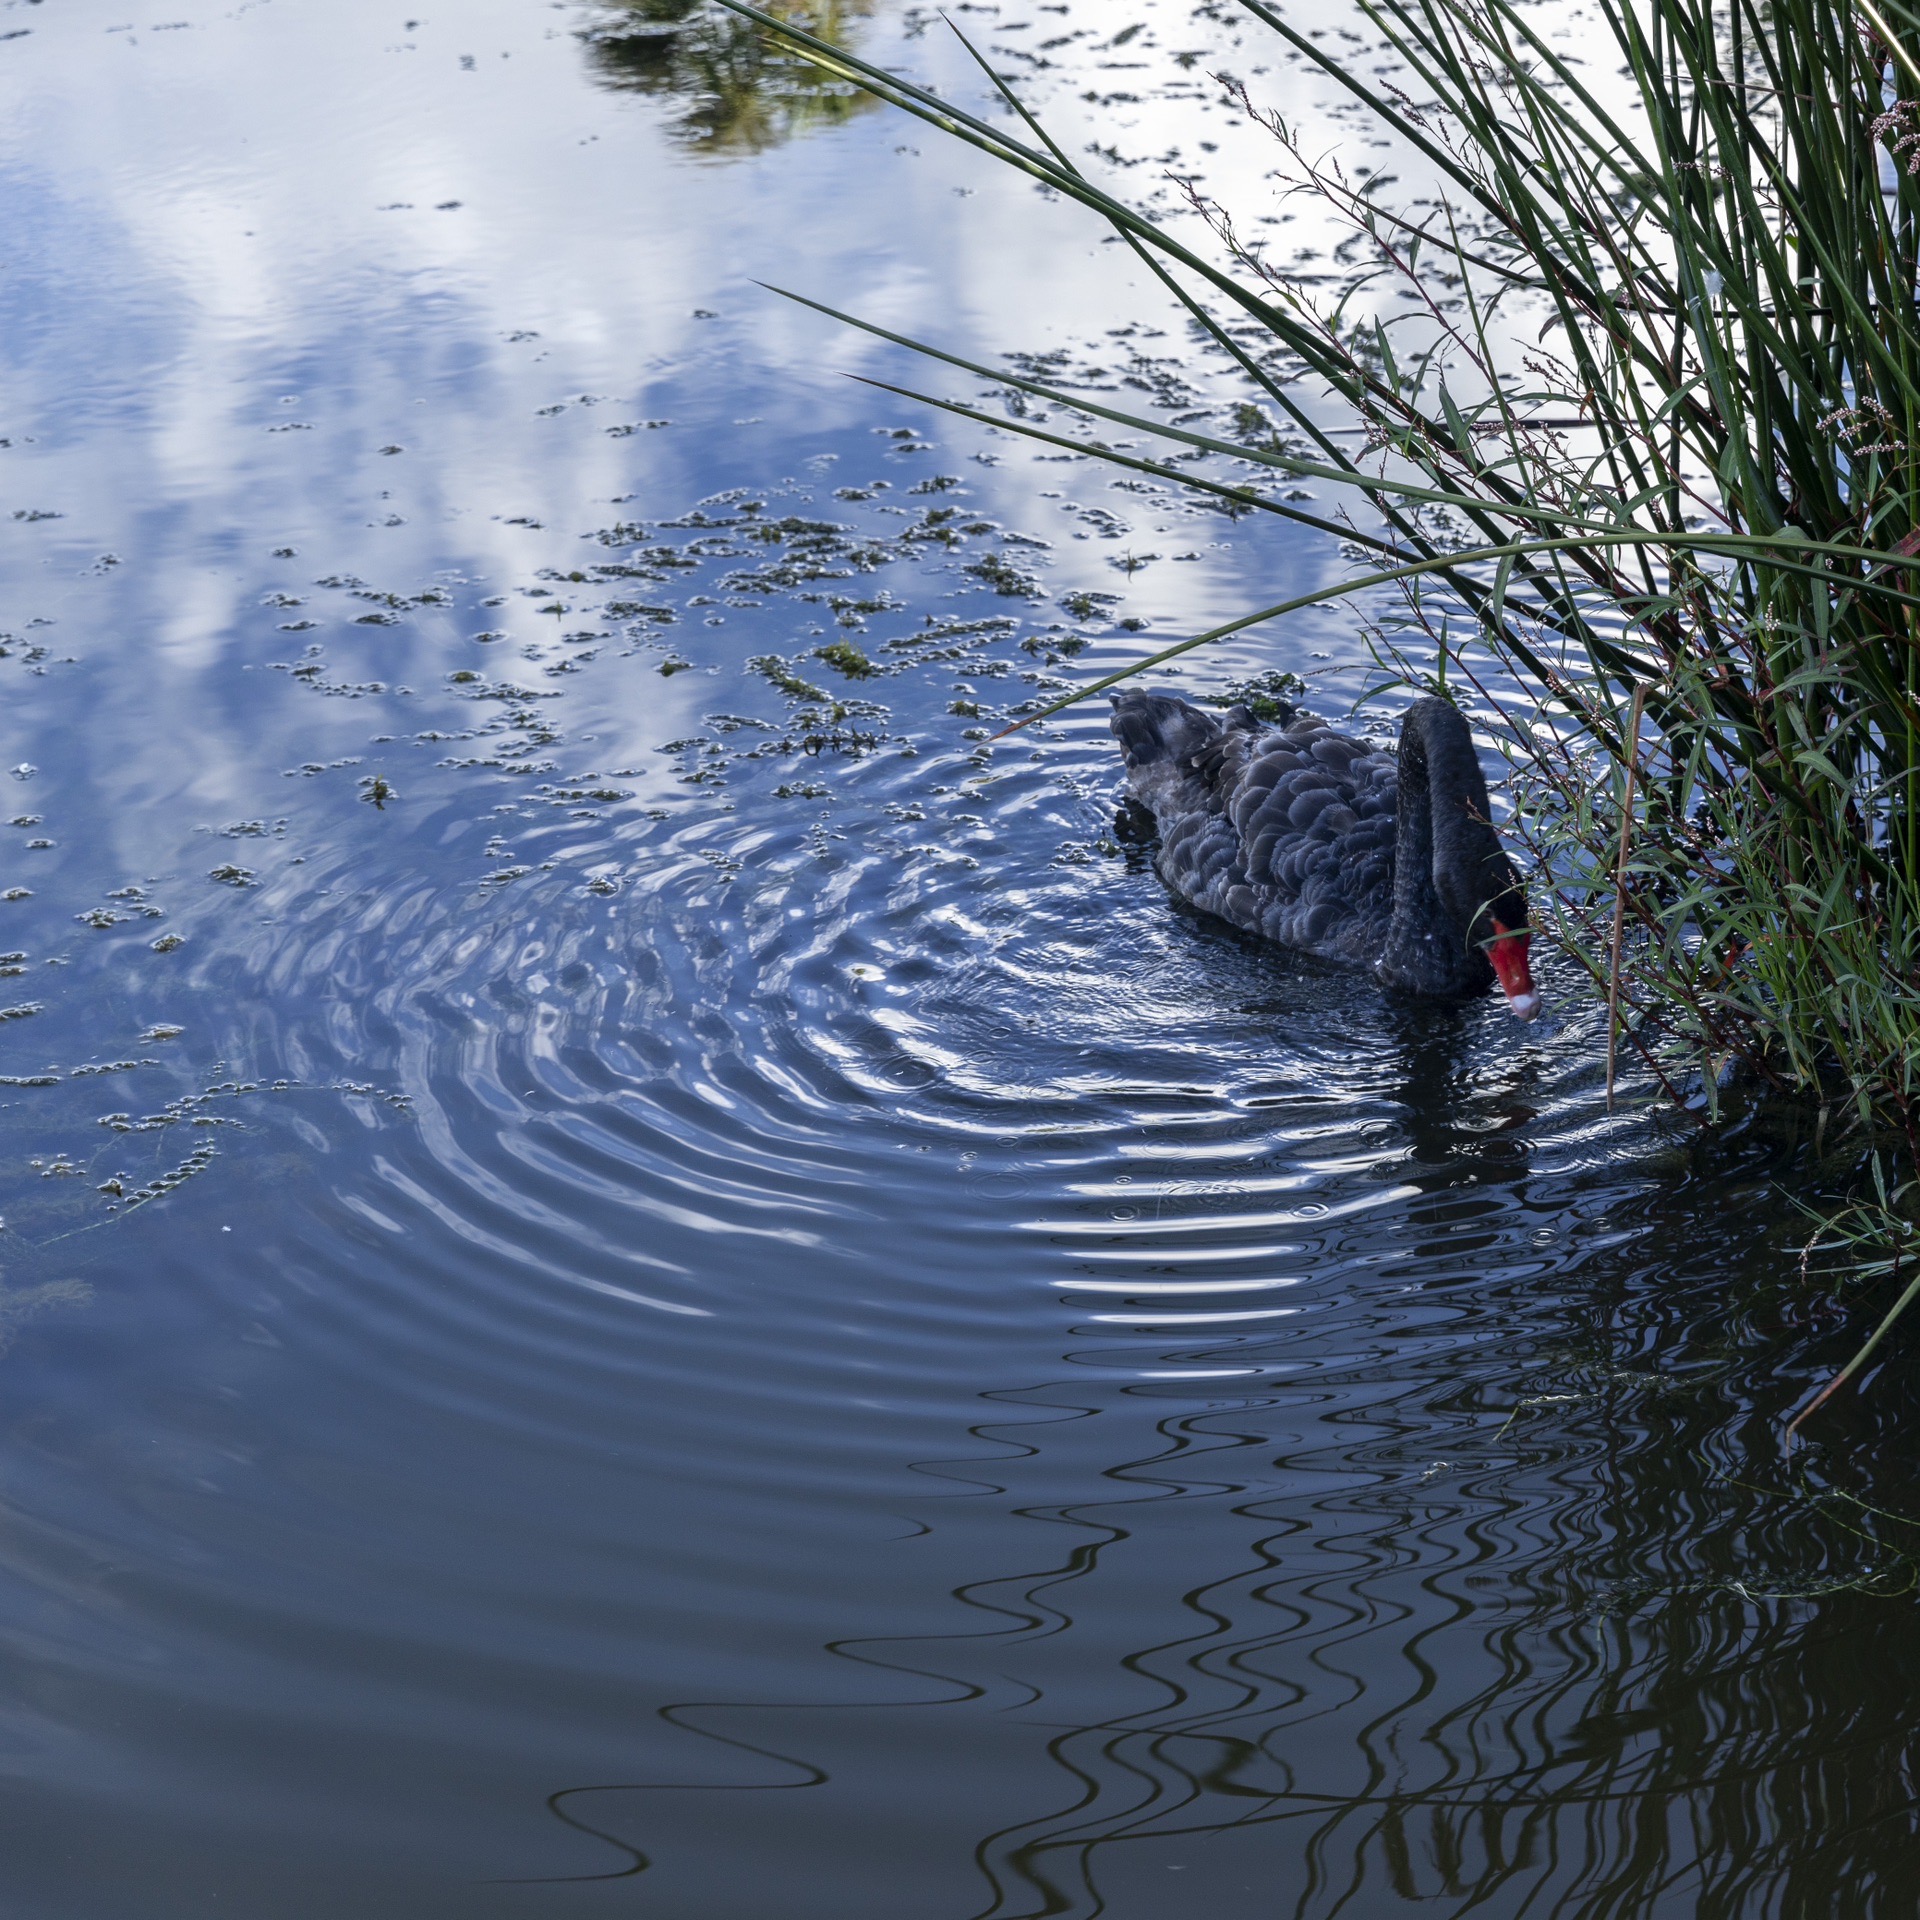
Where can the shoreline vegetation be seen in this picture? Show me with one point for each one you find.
(1626, 405)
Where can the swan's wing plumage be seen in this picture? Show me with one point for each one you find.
(1286, 831)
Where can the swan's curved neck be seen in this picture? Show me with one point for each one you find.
(1440, 790)
(1447, 864)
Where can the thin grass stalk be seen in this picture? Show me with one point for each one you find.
(1620, 889)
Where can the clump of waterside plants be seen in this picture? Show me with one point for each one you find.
(1638, 377)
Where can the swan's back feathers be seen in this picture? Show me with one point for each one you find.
(1287, 832)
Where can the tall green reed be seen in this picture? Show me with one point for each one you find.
(1642, 460)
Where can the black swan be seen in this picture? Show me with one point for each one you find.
(1320, 842)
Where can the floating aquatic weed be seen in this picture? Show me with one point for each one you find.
(1005, 578)
(845, 657)
(1054, 646)
(606, 795)
(1084, 604)
(1273, 696)
(196, 1162)
(308, 673)
(775, 670)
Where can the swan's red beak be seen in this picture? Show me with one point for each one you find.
(1508, 952)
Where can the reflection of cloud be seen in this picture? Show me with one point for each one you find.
(250, 256)
(739, 92)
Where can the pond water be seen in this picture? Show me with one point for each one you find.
(644, 1278)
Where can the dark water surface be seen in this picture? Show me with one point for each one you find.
(644, 1280)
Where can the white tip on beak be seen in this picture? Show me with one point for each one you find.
(1526, 1006)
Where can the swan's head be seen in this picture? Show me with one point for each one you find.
(1483, 896)
(1507, 950)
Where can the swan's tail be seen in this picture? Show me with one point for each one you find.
(1160, 730)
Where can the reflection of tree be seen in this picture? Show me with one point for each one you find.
(740, 92)
(1607, 1769)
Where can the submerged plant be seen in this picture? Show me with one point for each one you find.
(1642, 454)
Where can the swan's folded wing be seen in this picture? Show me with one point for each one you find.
(1285, 832)
(1200, 860)
(1303, 790)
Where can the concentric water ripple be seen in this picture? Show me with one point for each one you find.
(1186, 1397)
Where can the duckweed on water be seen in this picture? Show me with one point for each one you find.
(764, 558)
(775, 670)
(1273, 696)
(848, 659)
